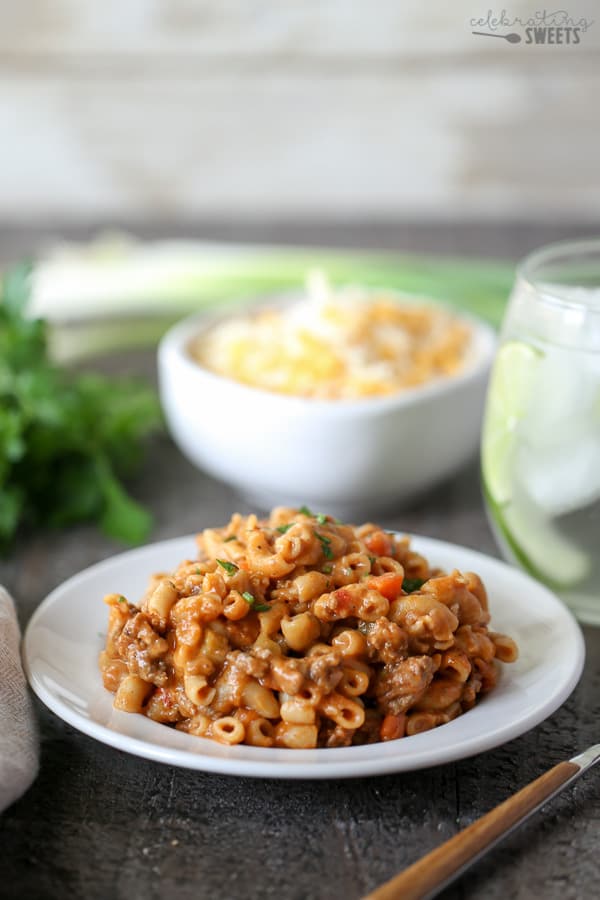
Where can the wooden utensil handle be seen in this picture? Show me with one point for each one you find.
(427, 876)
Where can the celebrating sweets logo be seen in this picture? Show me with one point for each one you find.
(542, 27)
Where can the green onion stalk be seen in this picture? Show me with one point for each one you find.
(116, 293)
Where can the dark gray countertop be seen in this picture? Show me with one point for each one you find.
(98, 823)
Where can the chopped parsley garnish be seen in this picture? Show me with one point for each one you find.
(321, 519)
(413, 584)
(232, 537)
(229, 567)
(122, 599)
(325, 542)
(284, 528)
(327, 570)
(253, 603)
(306, 511)
(198, 572)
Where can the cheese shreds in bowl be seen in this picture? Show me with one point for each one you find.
(337, 345)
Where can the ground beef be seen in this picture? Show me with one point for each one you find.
(387, 642)
(326, 670)
(143, 650)
(399, 686)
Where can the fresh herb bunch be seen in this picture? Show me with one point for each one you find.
(65, 439)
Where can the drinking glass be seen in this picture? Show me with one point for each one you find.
(541, 433)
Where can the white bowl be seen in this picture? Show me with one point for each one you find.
(345, 457)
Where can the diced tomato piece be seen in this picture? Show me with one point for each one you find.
(379, 543)
(344, 601)
(392, 727)
(164, 697)
(390, 584)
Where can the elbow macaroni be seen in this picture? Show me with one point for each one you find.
(298, 631)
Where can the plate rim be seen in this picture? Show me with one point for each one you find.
(319, 769)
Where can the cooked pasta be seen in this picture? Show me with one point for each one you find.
(299, 631)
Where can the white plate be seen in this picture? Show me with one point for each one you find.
(64, 637)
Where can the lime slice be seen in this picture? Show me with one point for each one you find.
(541, 549)
(533, 541)
(524, 530)
(510, 393)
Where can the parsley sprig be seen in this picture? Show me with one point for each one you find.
(229, 567)
(325, 545)
(255, 604)
(321, 518)
(412, 584)
(66, 440)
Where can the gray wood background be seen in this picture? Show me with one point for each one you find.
(208, 109)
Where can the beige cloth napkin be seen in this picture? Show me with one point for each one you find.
(18, 734)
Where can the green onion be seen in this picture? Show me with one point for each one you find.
(232, 537)
(305, 511)
(321, 519)
(413, 584)
(122, 599)
(327, 570)
(284, 528)
(161, 281)
(198, 572)
(229, 567)
(372, 560)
